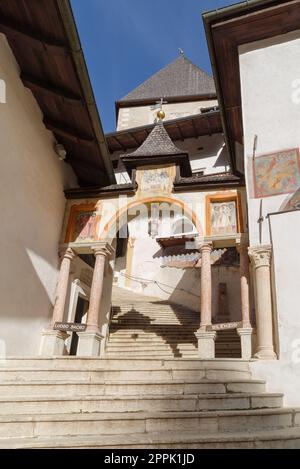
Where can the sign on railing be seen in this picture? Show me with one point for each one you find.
(225, 325)
(69, 327)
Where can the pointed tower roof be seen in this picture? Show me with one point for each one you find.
(158, 148)
(157, 143)
(178, 79)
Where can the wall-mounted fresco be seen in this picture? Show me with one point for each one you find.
(223, 215)
(277, 173)
(83, 224)
(156, 180)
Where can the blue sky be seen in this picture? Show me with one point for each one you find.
(127, 41)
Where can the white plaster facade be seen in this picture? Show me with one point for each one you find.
(270, 71)
(32, 180)
(136, 116)
(208, 154)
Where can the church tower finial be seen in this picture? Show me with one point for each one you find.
(160, 113)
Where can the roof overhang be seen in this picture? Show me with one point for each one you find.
(193, 126)
(181, 160)
(44, 39)
(227, 29)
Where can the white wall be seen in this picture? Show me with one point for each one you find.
(137, 116)
(284, 375)
(207, 153)
(181, 286)
(270, 71)
(32, 180)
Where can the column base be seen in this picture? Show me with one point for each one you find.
(265, 353)
(245, 334)
(53, 343)
(206, 344)
(89, 344)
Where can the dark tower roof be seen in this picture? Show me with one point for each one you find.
(158, 148)
(157, 143)
(181, 78)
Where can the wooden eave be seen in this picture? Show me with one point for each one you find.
(43, 37)
(193, 126)
(226, 30)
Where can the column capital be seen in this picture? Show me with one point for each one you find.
(103, 249)
(66, 253)
(205, 247)
(260, 255)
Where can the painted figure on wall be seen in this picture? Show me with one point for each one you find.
(85, 225)
(276, 174)
(154, 180)
(223, 218)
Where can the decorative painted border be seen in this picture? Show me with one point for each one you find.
(224, 197)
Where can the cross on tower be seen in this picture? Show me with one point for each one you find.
(161, 102)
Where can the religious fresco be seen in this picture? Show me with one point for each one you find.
(277, 173)
(156, 180)
(223, 218)
(83, 224)
(291, 203)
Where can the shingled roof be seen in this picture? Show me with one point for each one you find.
(178, 79)
(157, 143)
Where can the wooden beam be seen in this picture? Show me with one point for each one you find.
(194, 128)
(120, 143)
(134, 138)
(69, 134)
(180, 132)
(31, 38)
(208, 126)
(44, 88)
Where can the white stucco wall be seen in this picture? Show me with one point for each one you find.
(32, 180)
(151, 277)
(207, 153)
(130, 117)
(284, 375)
(270, 85)
(270, 79)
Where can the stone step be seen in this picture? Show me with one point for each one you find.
(151, 353)
(119, 346)
(146, 403)
(288, 438)
(122, 374)
(83, 424)
(123, 388)
(86, 363)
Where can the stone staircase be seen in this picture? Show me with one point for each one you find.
(73, 402)
(144, 327)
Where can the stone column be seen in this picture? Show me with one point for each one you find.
(53, 341)
(261, 260)
(89, 341)
(206, 338)
(245, 332)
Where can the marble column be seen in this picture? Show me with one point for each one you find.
(89, 341)
(261, 260)
(206, 337)
(245, 332)
(53, 341)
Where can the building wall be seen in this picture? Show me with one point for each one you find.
(136, 116)
(32, 180)
(207, 154)
(270, 84)
(284, 375)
